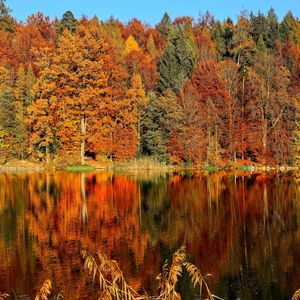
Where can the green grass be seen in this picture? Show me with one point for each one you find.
(79, 168)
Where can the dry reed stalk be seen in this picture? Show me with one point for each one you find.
(198, 279)
(111, 280)
(60, 296)
(169, 277)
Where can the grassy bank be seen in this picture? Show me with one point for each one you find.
(143, 163)
(80, 168)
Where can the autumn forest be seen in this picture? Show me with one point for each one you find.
(185, 91)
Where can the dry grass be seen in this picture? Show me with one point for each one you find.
(296, 295)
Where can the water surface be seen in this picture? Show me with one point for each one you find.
(244, 229)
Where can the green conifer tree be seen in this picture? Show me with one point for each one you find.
(7, 23)
(163, 27)
(176, 63)
(161, 116)
(68, 21)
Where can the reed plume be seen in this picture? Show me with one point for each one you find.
(168, 279)
(199, 280)
(45, 291)
(3, 296)
(113, 284)
(296, 295)
(111, 280)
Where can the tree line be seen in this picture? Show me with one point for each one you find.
(183, 91)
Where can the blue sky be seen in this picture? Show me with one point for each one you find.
(149, 11)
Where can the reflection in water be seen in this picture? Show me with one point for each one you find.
(243, 229)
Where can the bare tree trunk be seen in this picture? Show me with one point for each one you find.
(139, 135)
(47, 155)
(82, 142)
(264, 132)
(243, 115)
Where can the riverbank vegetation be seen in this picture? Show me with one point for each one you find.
(184, 91)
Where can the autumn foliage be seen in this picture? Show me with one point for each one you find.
(201, 92)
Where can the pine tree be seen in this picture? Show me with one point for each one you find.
(261, 46)
(218, 36)
(163, 27)
(8, 122)
(68, 21)
(6, 21)
(161, 116)
(176, 63)
(258, 26)
(272, 33)
(289, 28)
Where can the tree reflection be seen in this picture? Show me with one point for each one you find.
(244, 229)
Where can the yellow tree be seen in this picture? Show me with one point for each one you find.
(40, 114)
(20, 93)
(138, 99)
(131, 45)
(77, 84)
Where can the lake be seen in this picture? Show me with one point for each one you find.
(244, 229)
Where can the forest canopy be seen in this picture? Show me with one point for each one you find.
(183, 91)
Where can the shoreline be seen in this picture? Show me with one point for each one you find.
(26, 166)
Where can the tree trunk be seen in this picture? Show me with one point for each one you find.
(243, 115)
(139, 135)
(82, 142)
(264, 132)
(47, 155)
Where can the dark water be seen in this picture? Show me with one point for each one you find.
(243, 229)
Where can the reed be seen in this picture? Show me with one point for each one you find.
(45, 291)
(3, 296)
(113, 285)
(199, 280)
(168, 278)
(296, 295)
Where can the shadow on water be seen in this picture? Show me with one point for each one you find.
(242, 228)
